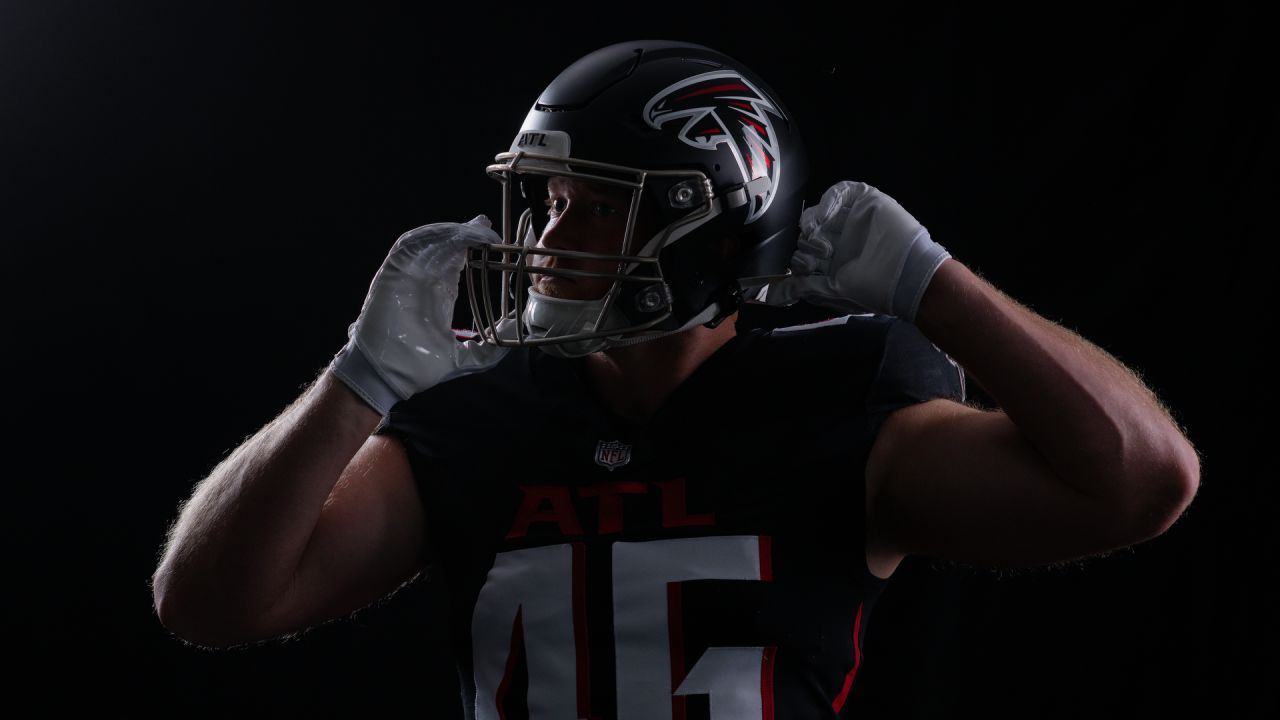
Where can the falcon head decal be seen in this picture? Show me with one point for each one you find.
(722, 107)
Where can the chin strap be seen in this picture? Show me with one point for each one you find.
(704, 317)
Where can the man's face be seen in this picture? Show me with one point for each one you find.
(587, 217)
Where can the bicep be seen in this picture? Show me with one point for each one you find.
(957, 483)
(368, 541)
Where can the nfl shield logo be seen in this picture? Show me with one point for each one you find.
(612, 453)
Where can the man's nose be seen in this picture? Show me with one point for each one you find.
(553, 238)
(563, 233)
(567, 232)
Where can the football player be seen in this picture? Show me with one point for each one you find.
(638, 509)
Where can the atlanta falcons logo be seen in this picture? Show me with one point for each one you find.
(724, 107)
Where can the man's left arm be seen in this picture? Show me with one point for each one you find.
(1101, 430)
(1080, 458)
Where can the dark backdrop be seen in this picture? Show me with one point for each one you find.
(196, 195)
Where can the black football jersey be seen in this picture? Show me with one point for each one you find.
(709, 563)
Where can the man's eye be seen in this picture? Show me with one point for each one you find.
(555, 207)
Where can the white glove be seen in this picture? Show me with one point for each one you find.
(403, 341)
(860, 251)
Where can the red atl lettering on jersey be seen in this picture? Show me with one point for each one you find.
(531, 510)
(610, 495)
(553, 504)
(674, 514)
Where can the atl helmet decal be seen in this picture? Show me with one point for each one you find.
(724, 107)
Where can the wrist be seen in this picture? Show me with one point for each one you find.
(923, 260)
(356, 372)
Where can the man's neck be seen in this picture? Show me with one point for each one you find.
(635, 380)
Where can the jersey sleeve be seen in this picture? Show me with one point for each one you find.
(432, 427)
(397, 426)
(447, 426)
(912, 370)
(418, 435)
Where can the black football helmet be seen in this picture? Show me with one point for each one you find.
(688, 131)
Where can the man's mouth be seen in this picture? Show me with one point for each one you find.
(554, 286)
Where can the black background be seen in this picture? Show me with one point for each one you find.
(196, 195)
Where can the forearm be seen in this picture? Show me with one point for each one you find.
(1098, 426)
(239, 538)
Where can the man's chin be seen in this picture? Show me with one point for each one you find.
(558, 288)
(566, 289)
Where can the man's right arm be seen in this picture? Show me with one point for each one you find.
(307, 520)
(312, 517)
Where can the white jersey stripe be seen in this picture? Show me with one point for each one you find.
(809, 326)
